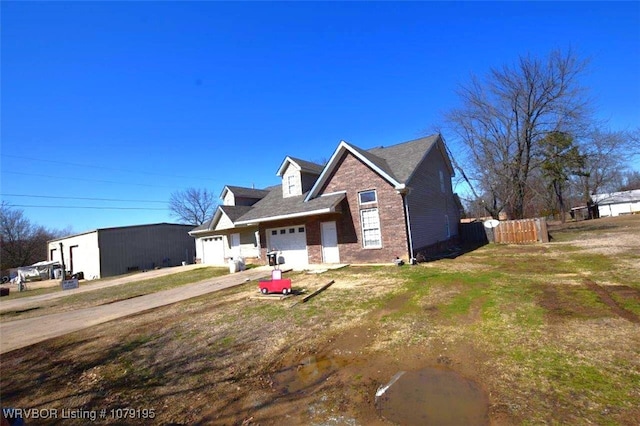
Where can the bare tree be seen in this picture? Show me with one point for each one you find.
(606, 156)
(23, 243)
(504, 117)
(193, 206)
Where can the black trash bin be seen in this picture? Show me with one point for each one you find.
(273, 258)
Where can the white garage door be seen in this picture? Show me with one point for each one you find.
(213, 251)
(291, 244)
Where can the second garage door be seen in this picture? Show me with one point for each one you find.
(291, 244)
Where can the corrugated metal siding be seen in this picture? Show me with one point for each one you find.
(86, 256)
(428, 205)
(144, 247)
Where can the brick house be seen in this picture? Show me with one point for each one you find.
(363, 206)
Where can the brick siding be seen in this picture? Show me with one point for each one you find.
(354, 176)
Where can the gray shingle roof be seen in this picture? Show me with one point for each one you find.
(205, 226)
(308, 166)
(234, 212)
(402, 159)
(241, 191)
(274, 205)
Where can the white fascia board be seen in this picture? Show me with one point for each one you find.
(224, 192)
(333, 193)
(331, 165)
(286, 216)
(284, 165)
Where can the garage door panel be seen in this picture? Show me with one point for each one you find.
(291, 244)
(213, 251)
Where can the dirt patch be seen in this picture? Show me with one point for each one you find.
(608, 300)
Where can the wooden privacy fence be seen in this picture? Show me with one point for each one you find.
(523, 231)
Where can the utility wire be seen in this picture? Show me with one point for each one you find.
(83, 198)
(87, 180)
(90, 207)
(66, 163)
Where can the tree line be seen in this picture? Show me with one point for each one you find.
(22, 242)
(530, 145)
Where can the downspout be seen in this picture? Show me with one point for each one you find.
(407, 220)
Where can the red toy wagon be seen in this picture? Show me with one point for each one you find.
(276, 284)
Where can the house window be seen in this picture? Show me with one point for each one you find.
(370, 228)
(367, 196)
(283, 231)
(292, 230)
(274, 232)
(291, 184)
(442, 189)
(301, 229)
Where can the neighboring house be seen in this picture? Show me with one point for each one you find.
(113, 251)
(617, 203)
(363, 206)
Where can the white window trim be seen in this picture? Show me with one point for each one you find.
(291, 184)
(367, 203)
(362, 229)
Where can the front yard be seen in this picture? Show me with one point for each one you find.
(550, 333)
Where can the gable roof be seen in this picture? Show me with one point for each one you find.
(232, 212)
(274, 207)
(403, 159)
(303, 165)
(243, 192)
(396, 163)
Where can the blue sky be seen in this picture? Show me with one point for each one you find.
(135, 100)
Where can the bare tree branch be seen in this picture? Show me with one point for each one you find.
(193, 206)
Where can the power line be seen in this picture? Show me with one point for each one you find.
(88, 180)
(83, 198)
(66, 163)
(90, 207)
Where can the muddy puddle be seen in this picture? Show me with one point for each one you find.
(432, 396)
(310, 372)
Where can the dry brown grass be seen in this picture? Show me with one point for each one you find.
(519, 320)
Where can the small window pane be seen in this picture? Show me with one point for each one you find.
(301, 230)
(274, 232)
(367, 197)
(292, 230)
(283, 231)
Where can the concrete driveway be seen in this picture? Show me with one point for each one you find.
(31, 301)
(21, 333)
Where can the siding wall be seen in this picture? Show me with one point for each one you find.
(354, 176)
(144, 247)
(308, 180)
(291, 171)
(86, 256)
(229, 199)
(224, 223)
(428, 205)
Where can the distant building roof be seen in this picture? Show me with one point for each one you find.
(617, 197)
